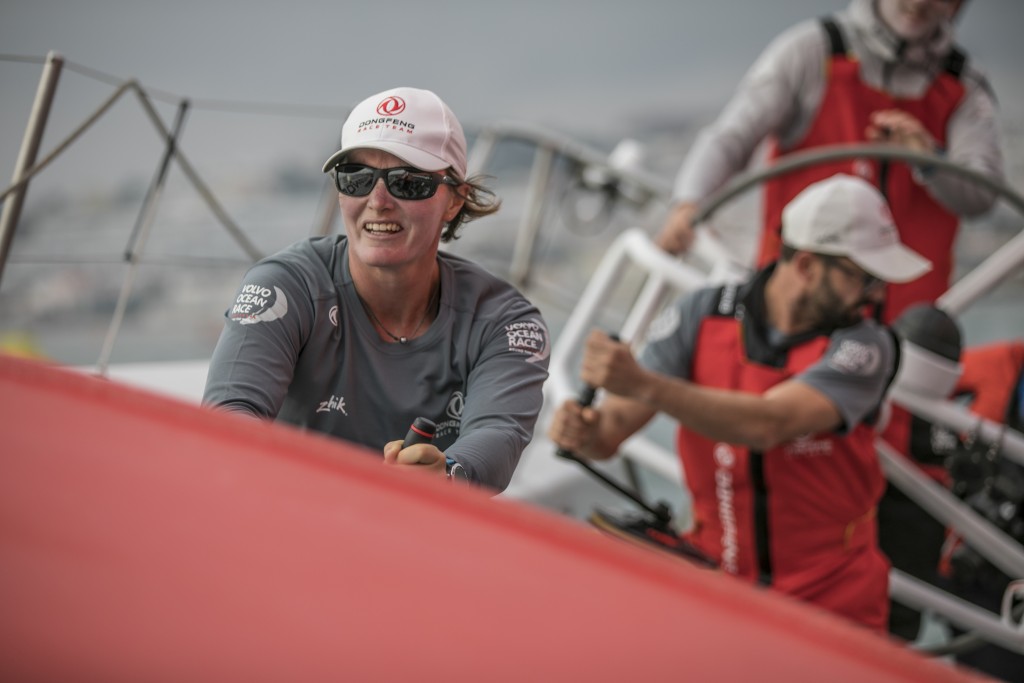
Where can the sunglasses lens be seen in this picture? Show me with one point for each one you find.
(405, 184)
(354, 180)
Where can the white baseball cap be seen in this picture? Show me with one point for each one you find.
(846, 216)
(415, 125)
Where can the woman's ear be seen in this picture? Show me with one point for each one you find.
(458, 199)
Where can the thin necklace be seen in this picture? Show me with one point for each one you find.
(401, 340)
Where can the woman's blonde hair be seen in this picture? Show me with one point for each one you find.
(479, 201)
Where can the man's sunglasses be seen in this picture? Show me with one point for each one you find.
(867, 281)
(358, 180)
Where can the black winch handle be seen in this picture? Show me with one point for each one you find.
(661, 511)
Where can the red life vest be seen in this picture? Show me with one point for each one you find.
(843, 116)
(799, 517)
(991, 375)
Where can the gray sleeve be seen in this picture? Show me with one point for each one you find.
(972, 141)
(264, 331)
(503, 396)
(672, 337)
(779, 96)
(855, 371)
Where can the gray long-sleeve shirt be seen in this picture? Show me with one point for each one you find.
(780, 95)
(298, 346)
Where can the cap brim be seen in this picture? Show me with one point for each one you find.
(410, 155)
(894, 263)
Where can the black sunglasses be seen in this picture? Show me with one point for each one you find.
(867, 280)
(358, 180)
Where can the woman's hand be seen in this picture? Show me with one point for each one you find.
(423, 457)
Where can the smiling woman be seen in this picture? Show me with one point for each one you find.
(375, 328)
(393, 241)
(439, 148)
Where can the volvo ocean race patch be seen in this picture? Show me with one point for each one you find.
(529, 337)
(258, 304)
(856, 358)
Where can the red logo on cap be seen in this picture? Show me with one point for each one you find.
(391, 106)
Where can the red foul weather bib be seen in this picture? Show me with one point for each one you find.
(799, 517)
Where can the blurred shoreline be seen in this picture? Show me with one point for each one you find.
(67, 262)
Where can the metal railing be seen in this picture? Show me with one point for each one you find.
(28, 166)
(619, 179)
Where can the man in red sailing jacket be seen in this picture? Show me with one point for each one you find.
(775, 384)
(878, 71)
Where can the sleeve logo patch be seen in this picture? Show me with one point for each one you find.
(664, 326)
(258, 304)
(530, 338)
(856, 358)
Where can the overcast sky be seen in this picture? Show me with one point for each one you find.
(583, 68)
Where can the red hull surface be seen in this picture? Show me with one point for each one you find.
(143, 538)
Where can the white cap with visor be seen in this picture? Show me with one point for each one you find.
(414, 125)
(846, 216)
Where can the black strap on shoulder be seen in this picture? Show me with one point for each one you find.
(762, 542)
(956, 62)
(897, 354)
(897, 350)
(835, 36)
(1014, 414)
